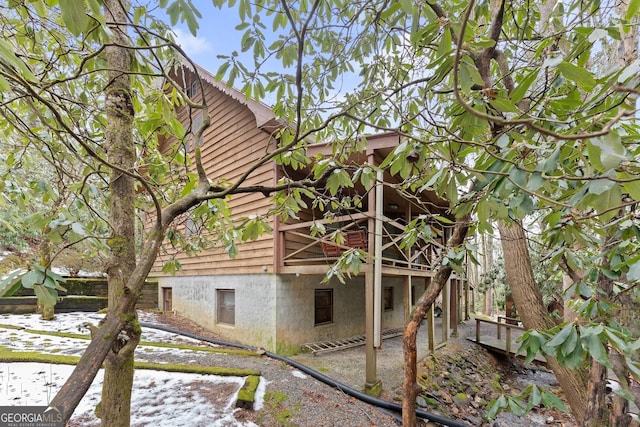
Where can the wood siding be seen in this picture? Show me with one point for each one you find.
(230, 146)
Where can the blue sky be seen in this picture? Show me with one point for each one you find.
(216, 36)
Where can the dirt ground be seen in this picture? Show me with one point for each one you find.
(459, 380)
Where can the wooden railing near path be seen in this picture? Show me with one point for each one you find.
(503, 322)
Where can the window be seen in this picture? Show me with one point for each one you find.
(191, 90)
(323, 306)
(167, 299)
(226, 306)
(388, 298)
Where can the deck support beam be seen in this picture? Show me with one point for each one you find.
(377, 262)
(372, 385)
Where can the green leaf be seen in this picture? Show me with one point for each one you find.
(552, 61)
(96, 10)
(550, 400)
(48, 297)
(337, 180)
(634, 368)
(535, 181)
(11, 283)
(561, 336)
(504, 105)
(569, 345)
(607, 152)
(580, 76)
(551, 162)
(606, 202)
(632, 9)
(7, 52)
(632, 188)
(74, 15)
(634, 272)
(536, 396)
(599, 186)
(496, 406)
(407, 6)
(32, 278)
(596, 349)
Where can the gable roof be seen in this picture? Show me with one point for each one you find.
(265, 118)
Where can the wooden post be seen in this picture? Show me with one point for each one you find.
(477, 330)
(371, 375)
(508, 339)
(377, 260)
(445, 311)
(406, 296)
(453, 306)
(467, 306)
(372, 386)
(407, 279)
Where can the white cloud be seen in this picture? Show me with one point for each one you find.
(192, 45)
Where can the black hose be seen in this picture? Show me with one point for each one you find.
(381, 403)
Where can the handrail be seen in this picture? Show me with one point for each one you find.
(353, 217)
(506, 319)
(499, 325)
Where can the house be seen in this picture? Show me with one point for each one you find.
(272, 295)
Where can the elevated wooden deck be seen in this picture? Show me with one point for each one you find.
(506, 344)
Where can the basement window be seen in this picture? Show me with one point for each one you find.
(323, 306)
(388, 298)
(226, 306)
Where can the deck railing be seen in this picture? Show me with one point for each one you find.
(300, 246)
(500, 323)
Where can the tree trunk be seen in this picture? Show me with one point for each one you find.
(533, 313)
(115, 408)
(410, 387)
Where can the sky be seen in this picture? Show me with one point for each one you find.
(35, 384)
(216, 36)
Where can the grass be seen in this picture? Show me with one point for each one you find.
(192, 347)
(8, 355)
(276, 405)
(246, 396)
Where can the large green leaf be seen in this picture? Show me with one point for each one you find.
(580, 76)
(11, 282)
(74, 15)
(46, 296)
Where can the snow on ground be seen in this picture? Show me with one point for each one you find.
(160, 398)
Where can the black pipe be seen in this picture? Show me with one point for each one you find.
(381, 403)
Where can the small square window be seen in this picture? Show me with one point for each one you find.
(191, 89)
(226, 306)
(388, 298)
(323, 307)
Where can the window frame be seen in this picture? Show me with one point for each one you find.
(223, 311)
(324, 319)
